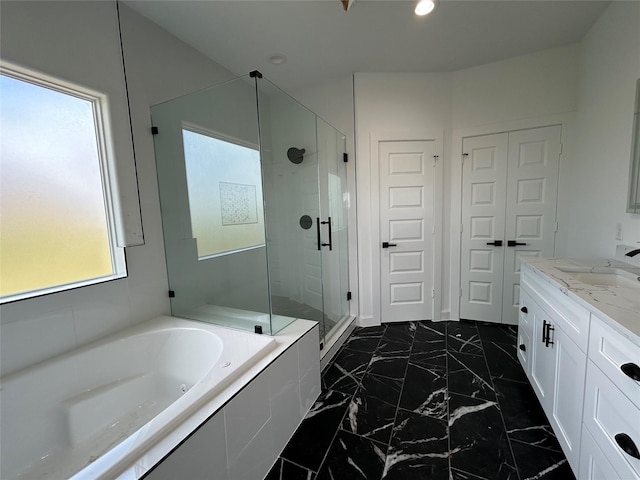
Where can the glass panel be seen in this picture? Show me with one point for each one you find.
(290, 172)
(55, 227)
(212, 205)
(334, 202)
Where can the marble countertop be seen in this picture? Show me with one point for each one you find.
(618, 306)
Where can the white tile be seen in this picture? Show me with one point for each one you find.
(309, 351)
(203, 455)
(29, 341)
(285, 397)
(38, 307)
(99, 310)
(309, 389)
(255, 460)
(245, 415)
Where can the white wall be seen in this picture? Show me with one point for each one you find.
(515, 93)
(71, 39)
(389, 103)
(609, 69)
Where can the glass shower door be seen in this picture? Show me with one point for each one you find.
(334, 204)
(289, 153)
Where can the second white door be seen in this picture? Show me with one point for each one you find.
(509, 196)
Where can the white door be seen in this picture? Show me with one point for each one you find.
(406, 229)
(509, 197)
(484, 192)
(532, 192)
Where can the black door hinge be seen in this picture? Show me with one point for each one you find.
(321, 345)
(345, 157)
(348, 296)
(172, 293)
(154, 130)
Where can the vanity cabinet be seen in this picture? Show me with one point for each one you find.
(586, 376)
(556, 364)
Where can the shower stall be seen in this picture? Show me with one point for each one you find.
(254, 200)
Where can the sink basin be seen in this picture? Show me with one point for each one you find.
(603, 277)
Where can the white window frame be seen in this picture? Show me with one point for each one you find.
(107, 164)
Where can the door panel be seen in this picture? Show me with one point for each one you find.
(484, 188)
(532, 189)
(406, 222)
(509, 194)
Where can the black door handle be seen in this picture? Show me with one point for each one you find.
(625, 442)
(330, 244)
(522, 347)
(524, 310)
(548, 340)
(318, 233)
(495, 243)
(631, 370)
(387, 244)
(513, 243)
(544, 330)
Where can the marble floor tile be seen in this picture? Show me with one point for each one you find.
(285, 470)
(425, 400)
(503, 362)
(523, 415)
(400, 332)
(390, 348)
(498, 333)
(346, 371)
(352, 457)
(370, 417)
(463, 338)
(468, 375)
(478, 440)
(392, 367)
(418, 448)
(383, 388)
(540, 463)
(311, 440)
(425, 391)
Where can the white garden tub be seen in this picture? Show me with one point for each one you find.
(61, 415)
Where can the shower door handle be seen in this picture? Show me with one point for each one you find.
(330, 244)
(318, 232)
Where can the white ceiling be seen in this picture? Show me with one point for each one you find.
(323, 42)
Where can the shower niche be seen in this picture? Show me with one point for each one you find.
(254, 208)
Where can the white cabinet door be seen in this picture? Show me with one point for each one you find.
(569, 368)
(541, 358)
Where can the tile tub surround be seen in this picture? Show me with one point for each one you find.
(619, 307)
(425, 400)
(240, 433)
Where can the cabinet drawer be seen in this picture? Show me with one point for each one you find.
(594, 465)
(607, 413)
(568, 314)
(609, 350)
(525, 332)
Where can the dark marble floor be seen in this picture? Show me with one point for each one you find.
(423, 400)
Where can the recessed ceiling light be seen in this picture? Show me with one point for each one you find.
(277, 59)
(425, 6)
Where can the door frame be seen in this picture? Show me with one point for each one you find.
(375, 138)
(567, 121)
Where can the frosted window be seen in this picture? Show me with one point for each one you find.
(225, 194)
(55, 229)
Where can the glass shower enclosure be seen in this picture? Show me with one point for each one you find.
(254, 208)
